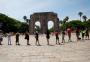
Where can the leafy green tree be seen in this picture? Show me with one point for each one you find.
(9, 24)
(64, 23)
(23, 28)
(87, 24)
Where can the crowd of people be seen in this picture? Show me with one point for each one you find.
(84, 33)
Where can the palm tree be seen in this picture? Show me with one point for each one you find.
(84, 17)
(80, 14)
(26, 20)
(65, 19)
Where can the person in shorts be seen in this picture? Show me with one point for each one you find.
(27, 37)
(37, 38)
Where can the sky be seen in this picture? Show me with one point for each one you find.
(18, 8)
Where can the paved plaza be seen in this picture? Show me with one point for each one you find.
(67, 52)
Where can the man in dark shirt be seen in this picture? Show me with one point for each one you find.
(17, 39)
(48, 36)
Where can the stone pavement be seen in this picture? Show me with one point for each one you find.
(68, 52)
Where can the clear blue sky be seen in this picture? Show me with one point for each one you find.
(18, 8)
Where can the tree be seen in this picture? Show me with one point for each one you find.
(80, 14)
(84, 18)
(64, 23)
(65, 19)
(23, 28)
(9, 24)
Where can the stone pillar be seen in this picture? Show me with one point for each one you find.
(43, 25)
(29, 25)
(32, 26)
(56, 24)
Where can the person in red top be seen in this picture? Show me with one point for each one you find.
(69, 33)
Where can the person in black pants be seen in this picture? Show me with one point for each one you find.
(57, 38)
(87, 33)
(37, 40)
(17, 39)
(48, 36)
(27, 38)
(1, 37)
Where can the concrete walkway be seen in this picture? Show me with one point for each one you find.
(68, 52)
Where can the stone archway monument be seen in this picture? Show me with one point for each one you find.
(43, 18)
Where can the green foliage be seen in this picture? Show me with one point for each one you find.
(10, 24)
(76, 23)
(23, 28)
(51, 29)
(38, 29)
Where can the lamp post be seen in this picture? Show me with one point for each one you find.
(27, 22)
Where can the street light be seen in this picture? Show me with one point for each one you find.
(26, 20)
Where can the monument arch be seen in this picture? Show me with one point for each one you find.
(43, 18)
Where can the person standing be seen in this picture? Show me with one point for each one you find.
(17, 39)
(57, 38)
(27, 37)
(48, 36)
(37, 40)
(1, 37)
(87, 33)
(63, 36)
(9, 38)
(78, 33)
(83, 33)
(69, 33)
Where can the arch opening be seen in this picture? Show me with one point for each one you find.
(51, 26)
(37, 26)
